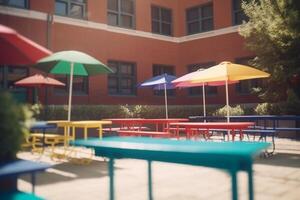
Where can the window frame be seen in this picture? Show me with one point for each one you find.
(160, 21)
(63, 91)
(199, 19)
(207, 88)
(235, 12)
(170, 92)
(26, 3)
(119, 14)
(120, 76)
(4, 84)
(68, 11)
(250, 83)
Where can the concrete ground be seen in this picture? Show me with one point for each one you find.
(276, 177)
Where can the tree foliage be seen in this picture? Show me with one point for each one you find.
(273, 34)
(14, 122)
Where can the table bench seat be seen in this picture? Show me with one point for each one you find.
(144, 133)
(116, 129)
(18, 195)
(287, 129)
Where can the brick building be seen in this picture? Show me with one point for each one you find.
(137, 39)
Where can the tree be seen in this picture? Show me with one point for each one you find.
(273, 34)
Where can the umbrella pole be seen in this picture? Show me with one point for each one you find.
(166, 101)
(70, 91)
(46, 104)
(204, 103)
(227, 99)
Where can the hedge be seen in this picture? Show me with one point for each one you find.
(96, 112)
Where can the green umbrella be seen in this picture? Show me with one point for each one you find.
(72, 63)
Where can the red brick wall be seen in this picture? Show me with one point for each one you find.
(145, 52)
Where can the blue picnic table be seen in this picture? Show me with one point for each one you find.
(10, 171)
(42, 126)
(230, 156)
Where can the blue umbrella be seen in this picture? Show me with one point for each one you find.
(160, 82)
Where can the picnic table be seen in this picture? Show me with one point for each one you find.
(89, 124)
(9, 171)
(273, 119)
(232, 157)
(137, 123)
(85, 124)
(41, 126)
(233, 127)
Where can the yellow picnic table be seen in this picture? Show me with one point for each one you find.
(65, 124)
(70, 153)
(88, 124)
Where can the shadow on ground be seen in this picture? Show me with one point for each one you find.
(281, 159)
(68, 172)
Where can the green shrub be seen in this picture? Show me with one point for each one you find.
(232, 111)
(15, 120)
(96, 112)
(262, 109)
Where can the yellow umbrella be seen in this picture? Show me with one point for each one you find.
(227, 71)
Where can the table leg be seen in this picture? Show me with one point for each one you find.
(100, 132)
(241, 135)
(250, 183)
(33, 182)
(73, 133)
(111, 178)
(177, 132)
(234, 185)
(188, 132)
(66, 134)
(85, 132)
(233, 134)
(150, 180)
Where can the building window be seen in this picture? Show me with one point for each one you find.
(123, 80)
(15, 3)
(71, 8)
(238, 14)
(161, 69)
(161, 20)
(121, 13)
(197, 91)
(80, 85)
(245, 86)
(8, 76)
(199, 19)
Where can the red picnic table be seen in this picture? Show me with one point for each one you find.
(190, 127)
(136, 125)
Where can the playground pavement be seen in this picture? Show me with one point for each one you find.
(276, 177)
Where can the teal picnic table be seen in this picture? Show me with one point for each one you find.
(230, 156)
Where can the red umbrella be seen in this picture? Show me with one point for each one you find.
(38, 81)
(18, 50)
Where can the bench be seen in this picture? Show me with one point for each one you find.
(287, 129)
(195, 132)
(116, 129)
(263, 136)
(18, 195)
(144, 133)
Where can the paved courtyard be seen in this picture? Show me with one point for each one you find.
(276, 177)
